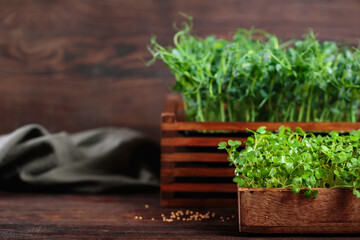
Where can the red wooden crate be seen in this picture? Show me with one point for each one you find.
(193, 171)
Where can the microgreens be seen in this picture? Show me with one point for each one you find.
(295, 160)
(258, 77)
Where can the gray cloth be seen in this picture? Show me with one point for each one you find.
(93, 161)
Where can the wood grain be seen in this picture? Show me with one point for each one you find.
(194, 157)
(281, 211)
(205, 187)
(197, 172)
(45, 216)
(74, 65)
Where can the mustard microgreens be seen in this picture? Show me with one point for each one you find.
(295, 160)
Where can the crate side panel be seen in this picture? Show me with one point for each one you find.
(285, 212)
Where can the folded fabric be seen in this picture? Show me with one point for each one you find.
(100, 160)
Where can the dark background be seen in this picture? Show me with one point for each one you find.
(74, 65)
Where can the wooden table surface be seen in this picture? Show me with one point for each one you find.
(129, 216)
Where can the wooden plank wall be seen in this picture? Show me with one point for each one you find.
(74, 65)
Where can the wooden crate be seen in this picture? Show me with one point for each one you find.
(193, 171)
(277, 210)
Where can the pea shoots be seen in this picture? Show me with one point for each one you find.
(259, 77)
(295, 160)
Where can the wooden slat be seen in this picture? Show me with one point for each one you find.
(194, 157)
(199, 187)
(197, 141)
(208, 202)
(197, 172)
(243, 126)
(281, 211)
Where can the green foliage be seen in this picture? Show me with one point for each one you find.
(258, 77)
(295, 160)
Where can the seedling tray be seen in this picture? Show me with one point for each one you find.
(193, 171)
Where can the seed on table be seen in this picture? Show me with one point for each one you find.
(152, 219)
(140, 218)
(146, 205)
(136, 217)
(233, 216)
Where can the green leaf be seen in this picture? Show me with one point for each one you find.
(238, 143)
(272, 172)
(312, 180)
(261, 130)
(300, 130)
(297, 181)
(319, 174)
(306, 166)
(264, 172)
(324, 149)
(308, 194)
(250, 140)
(241, 182)
(356, 193)
(314, 193)
(222, 145)
(306, 175)
(234, 144)
(295, 189)
(240, 161)
(334, 134)
(349, 149)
